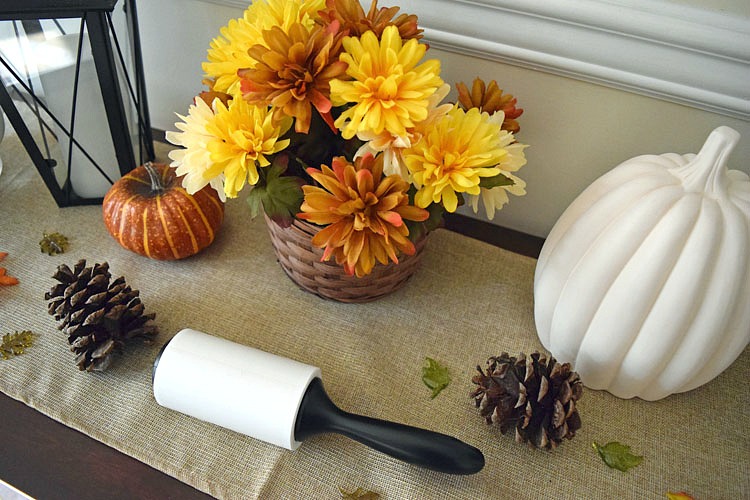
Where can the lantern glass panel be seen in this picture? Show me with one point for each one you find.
(50, 74)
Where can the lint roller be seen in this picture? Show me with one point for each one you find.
(283, 402)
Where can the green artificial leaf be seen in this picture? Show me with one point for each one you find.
(53, 243)
(493, 182)
(418, 230)
(435, 376)
(277, 195)
(16, 343)
(358, 494)
(617, 455)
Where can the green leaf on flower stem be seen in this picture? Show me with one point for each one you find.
(419, 230)
(493, 182)
(435, 376)
(278, 196)
(617, 455)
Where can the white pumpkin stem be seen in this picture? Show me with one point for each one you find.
(707, 172)
(157, 186)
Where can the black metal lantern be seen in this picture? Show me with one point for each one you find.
(74, 94)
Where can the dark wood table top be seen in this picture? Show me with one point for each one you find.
(46, 459)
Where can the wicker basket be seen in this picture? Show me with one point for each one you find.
(301, 262)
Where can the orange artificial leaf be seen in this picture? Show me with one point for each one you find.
(6, 280)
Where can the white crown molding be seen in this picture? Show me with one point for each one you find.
(692, 56)
(242, 4)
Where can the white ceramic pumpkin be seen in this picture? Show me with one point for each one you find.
(644, 282)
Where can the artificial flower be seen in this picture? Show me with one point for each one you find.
(363, 211)
(494, 198)
(229, 52)
(244, 137)
(194, 159)
(393, 146)
(224, 145)
(363, 98)
(455, 153)
(390, 88)
(293, 75)
(352, 19)
(490, 99)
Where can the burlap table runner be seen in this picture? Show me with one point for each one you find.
(469, 301)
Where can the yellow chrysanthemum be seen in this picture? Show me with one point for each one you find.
(453, 155)
(244, 135)
(393, 146)
(494, 198)
(228, 51)
(224, 145)
(193, 159)
(389, 90)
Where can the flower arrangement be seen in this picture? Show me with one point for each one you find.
(334, 116)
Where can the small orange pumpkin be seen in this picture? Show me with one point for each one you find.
(149, 212)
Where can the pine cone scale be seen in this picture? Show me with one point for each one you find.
(543, 388)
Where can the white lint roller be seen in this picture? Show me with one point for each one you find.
(283, 402)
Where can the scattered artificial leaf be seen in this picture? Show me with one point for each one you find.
(53, 243)
(5, 279)
(679, 496)
(435, 376)
(14, 344)
(617, 455)
(358, 494)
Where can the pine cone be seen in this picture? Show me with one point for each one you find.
(97, 316)
(535, 396)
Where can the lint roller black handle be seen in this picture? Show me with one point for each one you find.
(318, 414)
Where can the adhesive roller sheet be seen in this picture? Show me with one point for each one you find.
(283, 402)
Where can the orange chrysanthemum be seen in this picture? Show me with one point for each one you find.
(293, 72)
(363, 212)
(352, 19)
(228, 52)
(490, 99)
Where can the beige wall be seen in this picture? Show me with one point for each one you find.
(577, 130)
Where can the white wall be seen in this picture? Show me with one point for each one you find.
(577, 129)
